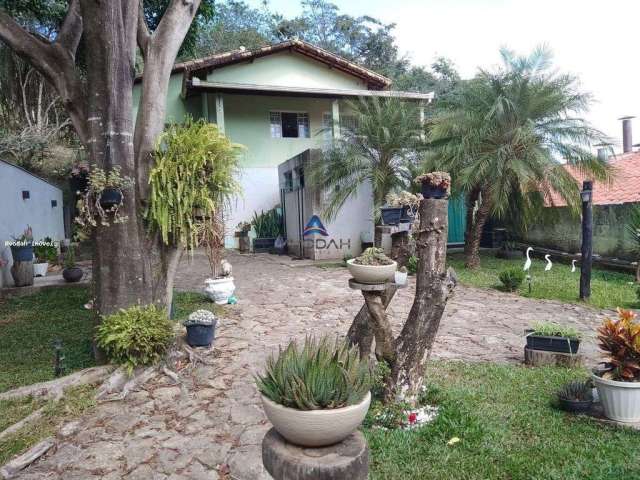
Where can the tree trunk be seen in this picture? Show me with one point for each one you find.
(400, 250)
(638, 272)
(474, 235)
(361, 331)
(434, 285)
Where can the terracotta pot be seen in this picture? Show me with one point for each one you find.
(316, 428)
(372, 274)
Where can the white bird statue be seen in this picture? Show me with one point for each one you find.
(549, 264)
(573, 266)
(527, 264)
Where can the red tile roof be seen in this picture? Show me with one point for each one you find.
(625, 187)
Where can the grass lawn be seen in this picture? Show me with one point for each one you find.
(608, 289)
(29, 326)
(508, 430)
(76, 402)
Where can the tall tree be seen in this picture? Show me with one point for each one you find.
(377, 146)
(130, 267)
(504, 136)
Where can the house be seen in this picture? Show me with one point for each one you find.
(26, 199)
(612, 204)
(279, 101)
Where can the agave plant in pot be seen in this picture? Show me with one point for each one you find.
(316, 394)
(372, 267)
(71, 272)
(618, 383)
(576, 396)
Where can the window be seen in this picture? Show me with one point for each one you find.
(289, 125)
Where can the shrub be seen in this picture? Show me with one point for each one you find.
(638, 293)
(620, 341)
(512, 279)
(576, 390)
(46, 251)
(412, 265)
(321, 374)
(135, 336)
(267, 224)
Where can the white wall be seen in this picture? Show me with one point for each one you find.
(36, 211)
(260, 191)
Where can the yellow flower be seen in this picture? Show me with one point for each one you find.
(453, 441)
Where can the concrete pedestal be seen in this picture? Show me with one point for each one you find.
(348, 459)
(539, 358)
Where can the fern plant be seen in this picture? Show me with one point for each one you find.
(135, 336)
(196, 169)
(512, 278)
(320, 374)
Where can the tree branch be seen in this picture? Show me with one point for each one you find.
(144, 36)
(71, 30)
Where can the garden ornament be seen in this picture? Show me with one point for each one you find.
(549, 263)
(527, 264)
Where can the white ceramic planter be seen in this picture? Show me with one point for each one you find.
(372, 273)
(316, 428)
(220, 289)
(401, 277)
(40, 269)
(620, 400)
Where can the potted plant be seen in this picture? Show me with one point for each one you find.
(618, 383)
(242, 234)
(46, 253)
(22, 254)
(372, 267)
(71, 273)
(201, 328)
(434, 184)
(102, 199)
(219, 287)
(408, 204)
(575, 396)
(553, 337)
(401, 276)
(268, 226)
(316, 394)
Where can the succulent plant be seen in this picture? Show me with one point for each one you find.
(320, 374)
(200, 317)
(620, 341)
(373, 256)
(576, 390)
(512, 278)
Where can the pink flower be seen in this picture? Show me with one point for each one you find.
(413, 418)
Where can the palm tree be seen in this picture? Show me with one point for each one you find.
(376, 146)
(503, 136)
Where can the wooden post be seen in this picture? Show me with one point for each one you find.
(587, 239)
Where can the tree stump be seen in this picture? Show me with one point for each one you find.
(348, 459)
(22, 273)
(540, 358)
(400, 250)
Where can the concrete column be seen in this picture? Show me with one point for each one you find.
(220, 112)
(335, 117)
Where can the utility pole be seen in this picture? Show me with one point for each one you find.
(587, 239)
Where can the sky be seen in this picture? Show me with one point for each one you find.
(594, 39)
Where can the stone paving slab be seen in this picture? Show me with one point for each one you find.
(215, 431)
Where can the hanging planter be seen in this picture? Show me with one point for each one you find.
(434, 185)
(110, 198)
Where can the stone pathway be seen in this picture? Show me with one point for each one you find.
(215, 431)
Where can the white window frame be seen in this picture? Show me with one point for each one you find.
(275, 123)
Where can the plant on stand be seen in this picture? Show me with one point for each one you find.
(618, 383)
(71, 273)
(268, 227)
(22, 253)
(46, 254)
(193, 179)
(372, 267)
(316, 394)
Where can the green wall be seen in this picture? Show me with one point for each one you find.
(610, 237)
(286, 69)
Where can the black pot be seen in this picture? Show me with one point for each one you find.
(263, 244)
(73, 274)
(575, 406)
(406, 216)
(201, 335)
(22, 253)
(110, 197)
(552, 344)
(391, 215)
(429, 191)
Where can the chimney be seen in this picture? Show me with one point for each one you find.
(627, 137)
